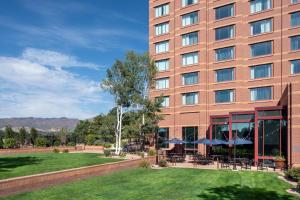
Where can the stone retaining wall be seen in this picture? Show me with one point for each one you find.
(33, 182)
(33, 150)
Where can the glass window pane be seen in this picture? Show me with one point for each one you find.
(295, 1)
(189, 58)
(225, 75)
(243, 117)
(226, 53)
(220, 119)
(224, 12)
(189, 19)
(220, 131)
(295, 66)
(162, 65)
(261, 71)
(260, 49)
(190, 39)
(223, 96)
(295, 43)
(224, 32)
(162, 10)
(162, 47)
(190, 78)
(262, 26)
(161, 28)
(262, 93)
(188, 2)
(295, 19)
(190, 98)
(259, 5)
(265, 113)
(271, 137)
(162, 83)
(163, 136)
(190, 134)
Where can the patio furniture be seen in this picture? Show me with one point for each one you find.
(261, 166)
(225, 164)
(246, 164)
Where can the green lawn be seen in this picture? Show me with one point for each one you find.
(27, 164)
(173, 184)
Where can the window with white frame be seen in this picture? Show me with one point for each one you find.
(226, 53)
(261, 71)
(224, 96)
(190, 78)
(224, 12)
(295, 1)
(189, 58)
(188, 2)
(162, 28)
(190, 98)
(261, 26)
(162, 65)
(162, 83)
(261, 49)
(295, 66)
(189, 39)
(223, 75)
(295, 19)
(162, 47)
(225, 32)
(162, 10)
(261, 93)
(260, 5)
(295, 43)
(189, 19)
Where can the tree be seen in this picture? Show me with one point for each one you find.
(63, 134)
(22, 135)
(33, 135)
(9, 133)
(129, 82)
(81, 130)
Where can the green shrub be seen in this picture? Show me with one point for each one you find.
(163, 163)
(122, 154)
(41, 142)
(107, 152)
(66, 151)
(145, 164)
(152, 152)
(91, 139)
(55, 150)
(293, 173)
(9, 143)
(71, 144)
(107, 145)
(142, 154)
(98, 143)
(56, 143)
(298, 186)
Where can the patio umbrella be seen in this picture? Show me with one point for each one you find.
(238, 141)
(202, 141)
(175, 141)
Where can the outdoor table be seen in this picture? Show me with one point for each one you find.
(174, 159)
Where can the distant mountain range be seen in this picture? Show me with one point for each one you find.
(41, 124)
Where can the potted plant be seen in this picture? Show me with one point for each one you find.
(279, 162)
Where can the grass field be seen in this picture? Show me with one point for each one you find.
(173, 184)
(34, 163)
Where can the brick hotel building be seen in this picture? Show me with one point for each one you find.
(229, 68)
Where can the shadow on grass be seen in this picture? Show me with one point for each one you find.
(10, 163)
(236, 192)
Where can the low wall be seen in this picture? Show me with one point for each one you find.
(33, 150)
(33, 182)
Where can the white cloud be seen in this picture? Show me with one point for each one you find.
(54, 59)
(30, 88)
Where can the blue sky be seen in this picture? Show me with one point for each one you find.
(53, 54)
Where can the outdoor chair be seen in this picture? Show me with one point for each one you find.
(261, 166)
(246, 164)
(225, 165)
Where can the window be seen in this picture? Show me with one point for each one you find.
(295, 1)
(295, 66)
(226, 53)
(188, 2)
(162, 65)
(261, 71)
(295, 43)
(261, 49)
(162, 28)
(190, 134)
(224, 96)
(163, 136)
(295, 19)
(261, 93)
(262, 26)
(162, 83)
(224, 12)
(190, 78)
(162, 47)
(259, 5)
(189, 19)
(225, 32)
(190, 98)
(162, 10)
(189, 58)
(224, 75)
(165, 102)
(190, 39)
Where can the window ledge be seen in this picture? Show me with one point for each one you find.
(164, 89)
(164, 71)
(192, 105)
(294, 75)
(162, 53)
(162, 16)
(164, 34)
(294, 51)
(225, 103)
(260, 79)
(190, 25)
(262, 101)
(223, 61)
(191, 65)
(260, 12)
(223, 19)
(190, 85)
(188, 6)
(295, 27)
(261, 34)
(292, 4)
(224, 82)
(264, 56)
(224, 40)
(191, 45)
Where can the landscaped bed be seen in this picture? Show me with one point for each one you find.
(34, 163)
(170, 184)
